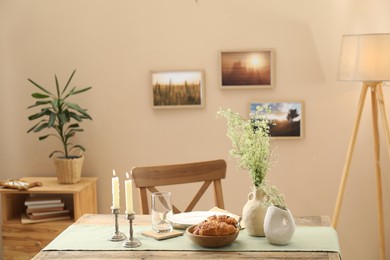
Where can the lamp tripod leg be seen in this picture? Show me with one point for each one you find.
(374, 103)
(382, 107)
(347, 164)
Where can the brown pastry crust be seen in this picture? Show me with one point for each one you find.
(224, 218)
(216, 226)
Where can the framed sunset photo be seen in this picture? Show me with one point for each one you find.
(177, 89)
(286, 118)
(247, 69)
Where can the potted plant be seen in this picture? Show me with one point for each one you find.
(252, 148)
(279, 224)
(61, 117)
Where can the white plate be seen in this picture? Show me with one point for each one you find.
(187, 219)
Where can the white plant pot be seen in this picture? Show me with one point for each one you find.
(279, 226)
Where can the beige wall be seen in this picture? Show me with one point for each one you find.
(115, 44)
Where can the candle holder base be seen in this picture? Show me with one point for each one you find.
(117, 235)
(131, 242)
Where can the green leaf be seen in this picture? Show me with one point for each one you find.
(43, 137)
(85, 115)
(55, 104)
(32, 128)
(67, 84)
(79, 109)
(73, 125)
(41, 126)
(74, 91)
(57, 86)
(41, 88)
(39, 95)
(88, 116)
(67, 95)
(63, 118)
(72, 132)
(77, 147)
(60, 152)
(75, 117)
(74, 106)
(52, 119)
(60, 104)
(43, 112)
(69, 135)
(40, 103)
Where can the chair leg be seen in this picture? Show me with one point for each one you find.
(144, 201)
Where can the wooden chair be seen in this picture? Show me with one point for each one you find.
(147, 178)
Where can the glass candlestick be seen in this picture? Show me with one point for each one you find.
(131, 241)
(117, 236)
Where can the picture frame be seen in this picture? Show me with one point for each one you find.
(286, 118)
(177, 89)
(247, 69)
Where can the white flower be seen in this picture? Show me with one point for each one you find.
(250, 141)
(251, 147)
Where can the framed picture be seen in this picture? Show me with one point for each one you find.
(286, 118)
(247, 69)
(177, 89)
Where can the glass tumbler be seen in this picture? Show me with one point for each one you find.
(161, 212)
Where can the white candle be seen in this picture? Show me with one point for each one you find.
(129, 194)
(115, 191)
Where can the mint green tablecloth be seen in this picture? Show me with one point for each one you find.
(93, 237)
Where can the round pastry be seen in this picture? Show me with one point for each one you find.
(224, 218)
(216, 226)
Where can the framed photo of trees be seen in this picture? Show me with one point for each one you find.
(286, 118)
(177, 89)
(247, 69)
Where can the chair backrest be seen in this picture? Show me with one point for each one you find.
(147, 178)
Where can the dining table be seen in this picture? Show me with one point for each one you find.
(87, 239)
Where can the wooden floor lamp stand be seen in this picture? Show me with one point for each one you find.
(376, 100)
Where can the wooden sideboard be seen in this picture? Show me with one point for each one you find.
(23, 241)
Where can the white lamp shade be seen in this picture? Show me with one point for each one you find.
(365, 57)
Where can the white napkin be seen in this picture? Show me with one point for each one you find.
(237, 217)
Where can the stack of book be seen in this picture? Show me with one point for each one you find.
(43, 209)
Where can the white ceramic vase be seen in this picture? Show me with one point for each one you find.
(253, 213)
(279, 226)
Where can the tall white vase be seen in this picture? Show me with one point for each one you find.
(254, 212)
(279, 226)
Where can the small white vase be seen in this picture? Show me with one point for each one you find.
(253, 213)
(279, 226)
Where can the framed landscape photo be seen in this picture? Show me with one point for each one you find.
(247, 69)
(177, 89)
(286, 118)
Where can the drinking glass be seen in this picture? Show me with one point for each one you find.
(161, 212)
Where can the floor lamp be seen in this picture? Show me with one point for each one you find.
(366, 58)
